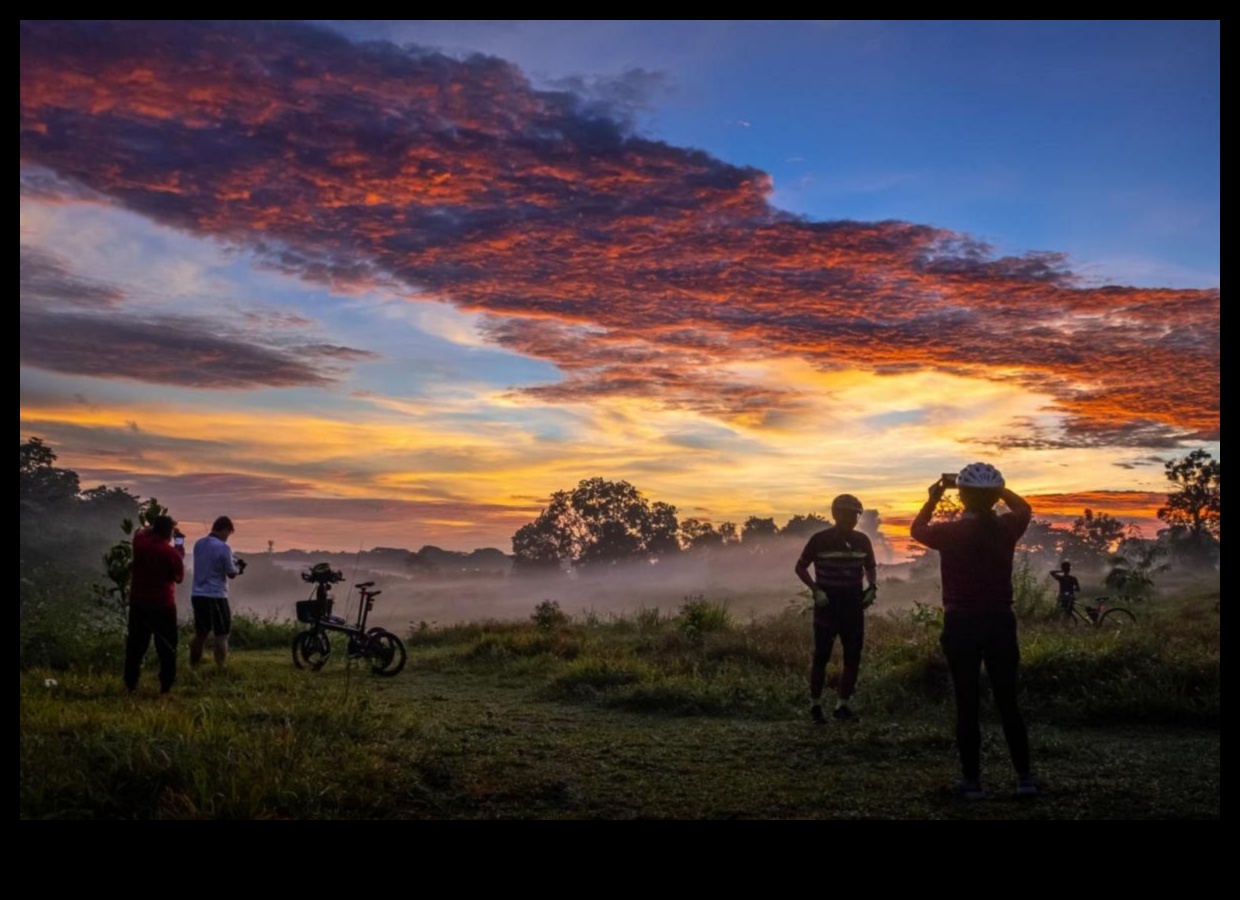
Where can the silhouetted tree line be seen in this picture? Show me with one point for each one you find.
(430, 560)
(601, 523)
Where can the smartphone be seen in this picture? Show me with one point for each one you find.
(949, 479)
(179, 541)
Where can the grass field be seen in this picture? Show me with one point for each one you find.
(687, 715)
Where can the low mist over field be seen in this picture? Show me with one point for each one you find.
(750, 584)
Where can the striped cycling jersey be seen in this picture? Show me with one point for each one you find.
(840, 559)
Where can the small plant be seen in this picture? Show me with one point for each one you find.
(698, 616)
(1031, 598)
(928, 615)
(548, 616)
(1132, 571)
(648, 619)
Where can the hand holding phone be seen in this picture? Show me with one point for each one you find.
(178, 540)
(949, 479)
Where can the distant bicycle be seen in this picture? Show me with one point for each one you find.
(1100, 614)
(312, 647)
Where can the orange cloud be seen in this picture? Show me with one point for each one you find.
(640, 269)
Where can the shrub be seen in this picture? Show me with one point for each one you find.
(698, 616)
(1031, 597)
(594, 674)
(548, 616)
(648, 619)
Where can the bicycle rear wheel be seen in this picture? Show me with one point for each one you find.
(386, 653)
(1117, 619)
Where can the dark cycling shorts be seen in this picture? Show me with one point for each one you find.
(842, 617)
(212, 614)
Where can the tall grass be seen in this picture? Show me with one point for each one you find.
(701, 662)
(240, 745)
(260, 739)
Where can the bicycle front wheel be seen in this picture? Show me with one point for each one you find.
(310, 650)
(1117, 619)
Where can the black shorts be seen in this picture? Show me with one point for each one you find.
(845, 622)
(212, 614)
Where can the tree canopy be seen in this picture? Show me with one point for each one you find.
(1195, 497)
(599, 522)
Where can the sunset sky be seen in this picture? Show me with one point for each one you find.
(393, 283)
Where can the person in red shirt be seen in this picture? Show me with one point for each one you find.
(975, 553)
(158, 567)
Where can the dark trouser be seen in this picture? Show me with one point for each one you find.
(143, 625)
(970, 639)
(847, 621)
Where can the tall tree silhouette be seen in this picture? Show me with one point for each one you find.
(598, 523)
(1195, 498)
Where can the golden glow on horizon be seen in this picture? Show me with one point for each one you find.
(881, 437)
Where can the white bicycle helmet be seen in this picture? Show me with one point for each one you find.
(979, 475)
(847, 501)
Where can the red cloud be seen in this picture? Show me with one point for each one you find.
(637, 267)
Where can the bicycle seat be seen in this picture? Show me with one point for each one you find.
(365, 584)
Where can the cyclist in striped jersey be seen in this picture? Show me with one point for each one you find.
(841, 555)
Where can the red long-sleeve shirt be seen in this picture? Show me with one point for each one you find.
(975, 556)
(158, 568)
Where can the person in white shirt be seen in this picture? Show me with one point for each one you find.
(214, 567)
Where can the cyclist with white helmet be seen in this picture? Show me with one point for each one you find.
(841, 555)
(975, 553)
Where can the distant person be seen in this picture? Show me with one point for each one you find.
(214, 567)
(841, 556)
(1069, 587)
(158, 567)
(975, 553)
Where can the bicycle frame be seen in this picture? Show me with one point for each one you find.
(1071, 610)
(329, 622)
(1094, 614)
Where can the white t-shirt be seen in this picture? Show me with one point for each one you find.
(213, 563)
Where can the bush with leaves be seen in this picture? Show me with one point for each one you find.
(548, 616)
(698, 616)
(1132, 572)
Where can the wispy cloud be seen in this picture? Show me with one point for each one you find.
(80, 326)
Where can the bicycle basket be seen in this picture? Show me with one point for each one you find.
(309, 611)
